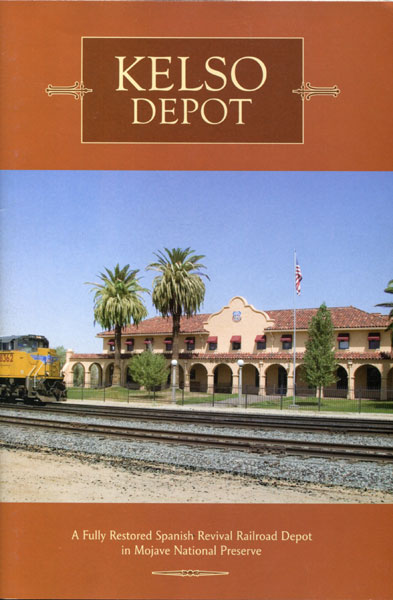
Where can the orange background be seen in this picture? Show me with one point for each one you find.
(350, 556)
(347, 44)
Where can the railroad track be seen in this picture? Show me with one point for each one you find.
(221, 418)
(258, 445)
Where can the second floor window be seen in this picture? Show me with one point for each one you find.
(343, 341)
(190, 344)
(168, 344)
(286, 341)
(149, 344)
(212, 343)
(236, 341)
(129, 344)
(111, 345)
(374, 341)
(260, 341)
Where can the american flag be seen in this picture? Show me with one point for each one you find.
(298, 278)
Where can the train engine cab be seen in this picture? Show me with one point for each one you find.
(29, 370)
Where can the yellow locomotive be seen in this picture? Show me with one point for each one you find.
(29, 370)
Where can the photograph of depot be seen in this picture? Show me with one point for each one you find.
(196, 337)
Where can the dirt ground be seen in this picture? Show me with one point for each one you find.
(30, 476)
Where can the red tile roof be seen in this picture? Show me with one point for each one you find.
(160, 325)
(342, 318)
(86, 356)
(364, 355)
(346, 317)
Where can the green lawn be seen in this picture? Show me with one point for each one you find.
(302, 403)
(328, 404)
(205, 399)
(118, 393)
(193, 398)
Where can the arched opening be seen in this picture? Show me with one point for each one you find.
(302, 387)
(250, 379)
(276, 380)
(181, 378)
(95, 375)
(198, 378)
(223, 379)
(339, 388)
(130, 383)
(368, 382)
(109, 374)
(389, 385)
(78, 375)
(342, 379)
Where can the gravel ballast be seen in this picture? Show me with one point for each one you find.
(338, 438)
(293, 470)
(48, 476)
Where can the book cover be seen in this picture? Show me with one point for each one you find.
(111, 112)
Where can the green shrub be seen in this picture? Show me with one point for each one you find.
(149, 370)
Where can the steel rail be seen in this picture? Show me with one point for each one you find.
(218, 418)
(253, 444)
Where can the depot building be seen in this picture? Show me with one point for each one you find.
(211, 345)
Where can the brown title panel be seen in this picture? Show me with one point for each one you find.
(192, 90)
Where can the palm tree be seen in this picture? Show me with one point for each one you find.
(117, 302)
(178, 289)
(389, 290)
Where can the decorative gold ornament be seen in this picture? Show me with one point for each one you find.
(77, 90)
(308, 91)
(190, 573)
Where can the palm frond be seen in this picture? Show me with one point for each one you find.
(117, 297)
(389, 290)
(178, 288)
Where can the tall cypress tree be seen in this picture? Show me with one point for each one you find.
(319, 359)
(389, 290)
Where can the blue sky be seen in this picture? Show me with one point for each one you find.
(61, 228)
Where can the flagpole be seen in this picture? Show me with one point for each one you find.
(294, 330)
